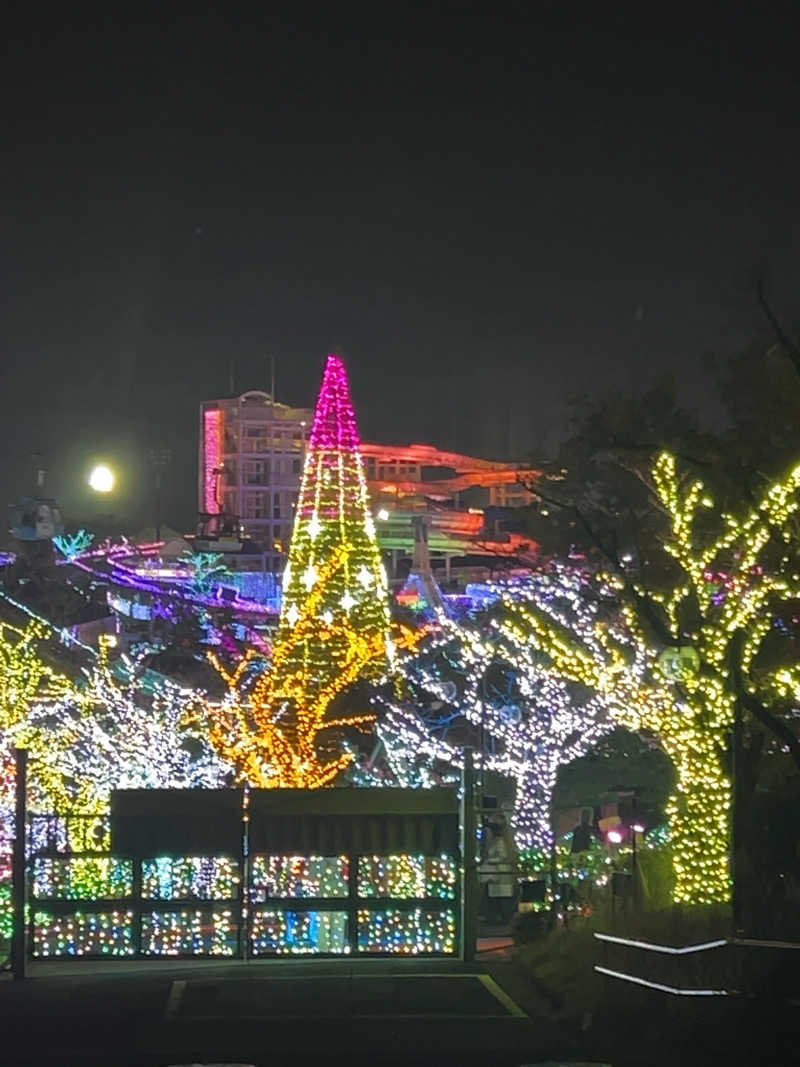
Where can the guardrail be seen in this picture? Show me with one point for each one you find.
(723, 967)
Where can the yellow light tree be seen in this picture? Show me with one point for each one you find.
(332, 522)
(680, 661)
(24, 676)
(25, 680)
(278, 733)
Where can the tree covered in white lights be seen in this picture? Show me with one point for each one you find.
(488, 674)
(109, 734)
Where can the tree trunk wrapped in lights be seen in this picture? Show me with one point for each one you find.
(334, 618)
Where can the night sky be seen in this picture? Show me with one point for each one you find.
(486, 214)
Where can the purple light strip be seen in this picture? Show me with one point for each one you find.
(122, 576)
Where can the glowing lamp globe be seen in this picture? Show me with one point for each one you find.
(101, 479)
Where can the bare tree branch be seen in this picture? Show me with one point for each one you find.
(791, 349)
(750, 701)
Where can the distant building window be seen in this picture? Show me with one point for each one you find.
(255, 506)
(256, 472)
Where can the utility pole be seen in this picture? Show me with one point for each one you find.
(19, 954)
(469, 866)
(160, 458)
(736, 886)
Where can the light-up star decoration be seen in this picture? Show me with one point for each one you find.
(364, 577)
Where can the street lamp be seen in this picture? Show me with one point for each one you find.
(636, 828)
(101, 478)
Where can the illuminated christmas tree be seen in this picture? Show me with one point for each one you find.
(333, 520)
(334, 620)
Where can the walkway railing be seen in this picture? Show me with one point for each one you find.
(721, 967)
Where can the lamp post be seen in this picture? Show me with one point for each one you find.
(160, 459)
(19, 950)
(636, 829)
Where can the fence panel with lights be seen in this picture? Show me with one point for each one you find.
(218, 873)
(353, 871)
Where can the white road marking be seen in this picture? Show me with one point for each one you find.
(499, 994)
(511, 1008)
(174, 998)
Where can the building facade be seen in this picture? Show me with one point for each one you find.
(251, 455)
(251, 451)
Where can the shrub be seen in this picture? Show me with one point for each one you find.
(531, 926)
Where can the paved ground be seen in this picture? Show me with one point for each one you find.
(264, 1013)
(362, 1012)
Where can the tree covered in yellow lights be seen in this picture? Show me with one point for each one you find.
(24, 675)
(334, 618)
(680, 660)
(25, 680)
(278, 733)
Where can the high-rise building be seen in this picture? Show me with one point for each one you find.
(251, 451)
